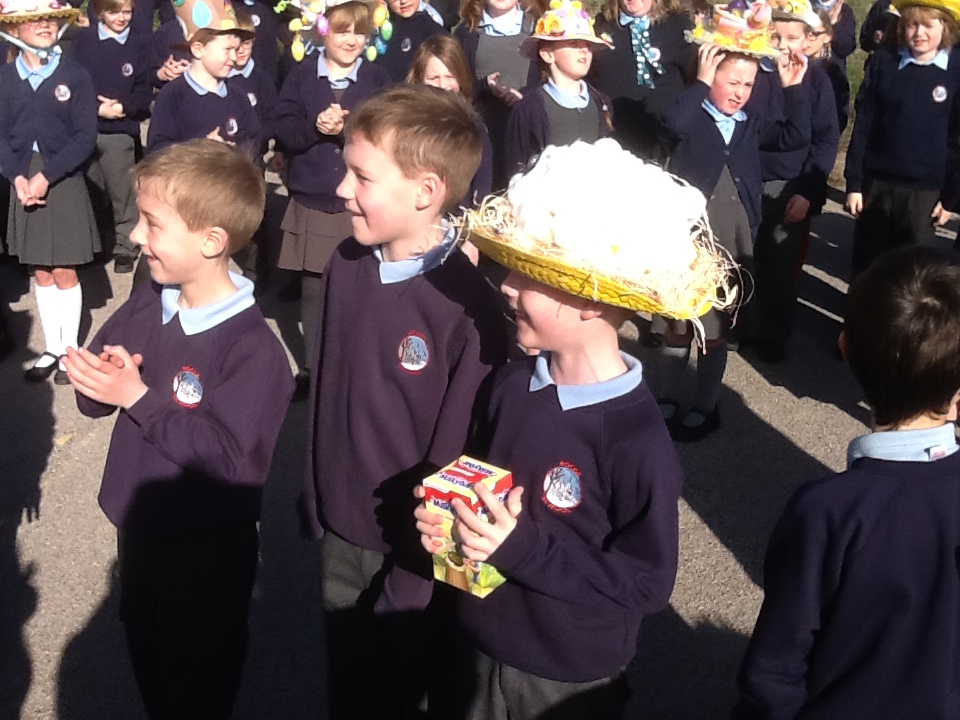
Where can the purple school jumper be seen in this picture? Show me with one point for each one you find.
(595, 547)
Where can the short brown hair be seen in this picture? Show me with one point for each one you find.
(447, 50)
(245, 21)
(425, 129)
(919, 13)
(102, 6)
(661, 9)
(208, 184)
(353, 14)
(902, 332)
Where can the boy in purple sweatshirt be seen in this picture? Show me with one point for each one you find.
(409, 329)
(203, 386)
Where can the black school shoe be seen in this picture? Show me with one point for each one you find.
(39, 374)
(684, 433)
(123, 264)
(61, 377)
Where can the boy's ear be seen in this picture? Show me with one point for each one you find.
(196, 50)
(216, 242)
(432, 191)
(590, 310)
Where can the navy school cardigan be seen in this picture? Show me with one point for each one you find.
(315, 160)
(700, 153)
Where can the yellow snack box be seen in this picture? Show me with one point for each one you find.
(457, 480)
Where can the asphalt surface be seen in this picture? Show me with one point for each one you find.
(62, 653)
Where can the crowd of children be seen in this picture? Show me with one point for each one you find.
(537, 135)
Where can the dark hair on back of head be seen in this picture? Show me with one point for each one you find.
(424, 129)
(902, 331)
(102, 6)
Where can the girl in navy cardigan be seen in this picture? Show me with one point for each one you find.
(314, 102)
(718, 152)
(490, 33)
(48, 129)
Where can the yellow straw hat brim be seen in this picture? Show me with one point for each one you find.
(71, 14)
(952, 8)
(724, 42)
(557, 271)
(530, 45)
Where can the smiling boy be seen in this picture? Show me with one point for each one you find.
(202, 385)
(409, 331)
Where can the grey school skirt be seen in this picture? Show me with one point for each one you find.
(61, 233)
(310, 237)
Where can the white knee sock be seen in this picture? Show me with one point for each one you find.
(71, 304)
(48, 309)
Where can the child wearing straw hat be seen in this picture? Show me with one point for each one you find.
(587, 539)
(717, 150)
(48, 130)
(564, 108)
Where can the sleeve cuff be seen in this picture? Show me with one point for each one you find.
(146, 408)
(516, 550)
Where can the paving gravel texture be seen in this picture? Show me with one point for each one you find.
(62, 653)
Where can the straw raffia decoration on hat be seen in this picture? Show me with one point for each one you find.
(738, 27)
(21, 11)
(565, 20)
(951, 7)
(702, 279)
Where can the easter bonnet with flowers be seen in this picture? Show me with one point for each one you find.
(21, 11)
(565, 20)
(310, 26)
(738, 26)
(645, 245)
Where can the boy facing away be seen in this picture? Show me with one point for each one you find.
(409, 330)
(203, 386)
(861, 576)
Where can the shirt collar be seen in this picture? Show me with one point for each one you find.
(200, 319)
(565, 99)
(572, 397)
(246, 70)
(43, 72)
(627, 20)
(431, 11)
(324, 72)
(905, 445)
(941, 59)
(201, 90)
(738, 116)
(105, 34)
(510, 24)
(401, 270)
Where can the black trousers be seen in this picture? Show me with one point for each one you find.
(184, 605)
(893, 216)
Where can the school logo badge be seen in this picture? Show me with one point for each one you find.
(255, 19)
(232, 127)
(939, 94)
(653, 54)
(61, 93)
(562, 489)
(187, 390)
(252, 97)
(406, 45)
(126, 70)
(413, 353)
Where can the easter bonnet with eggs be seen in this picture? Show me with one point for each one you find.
(311, 26)
(571, 222)
(208, 17)
(739, 27)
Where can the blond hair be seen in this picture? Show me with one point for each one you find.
(424, 129)
(448, 51)
(920, 14)
(208, 184)
(351, 14)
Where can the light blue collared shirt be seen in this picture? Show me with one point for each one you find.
(324, 72)
(726, 124)
(565, 99)
(246, 70)
(431, 11)
(941, 59)
(197, 320)
(905, 445)
(221, 90)
(507, 25)
(36, 76)
(578, 396)
(401, 270)
(105, 34)
(626, 20)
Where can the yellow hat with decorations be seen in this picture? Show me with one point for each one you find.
(739, 27)
(951, 7)
(565, 20)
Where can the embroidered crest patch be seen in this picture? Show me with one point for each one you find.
(562, 490)
(939, 94)
(187, 390)
(413, 353)
(61, 93)
(126, 70)
(232, 127)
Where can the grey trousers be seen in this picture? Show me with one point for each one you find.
(110, 173)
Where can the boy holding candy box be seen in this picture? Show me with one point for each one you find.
(587, 539)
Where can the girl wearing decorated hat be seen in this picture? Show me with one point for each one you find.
(645, 71)
(411, 22)
(491, 32)
(902, 178)
(564, 108)
(315, 100)
(48, 130)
